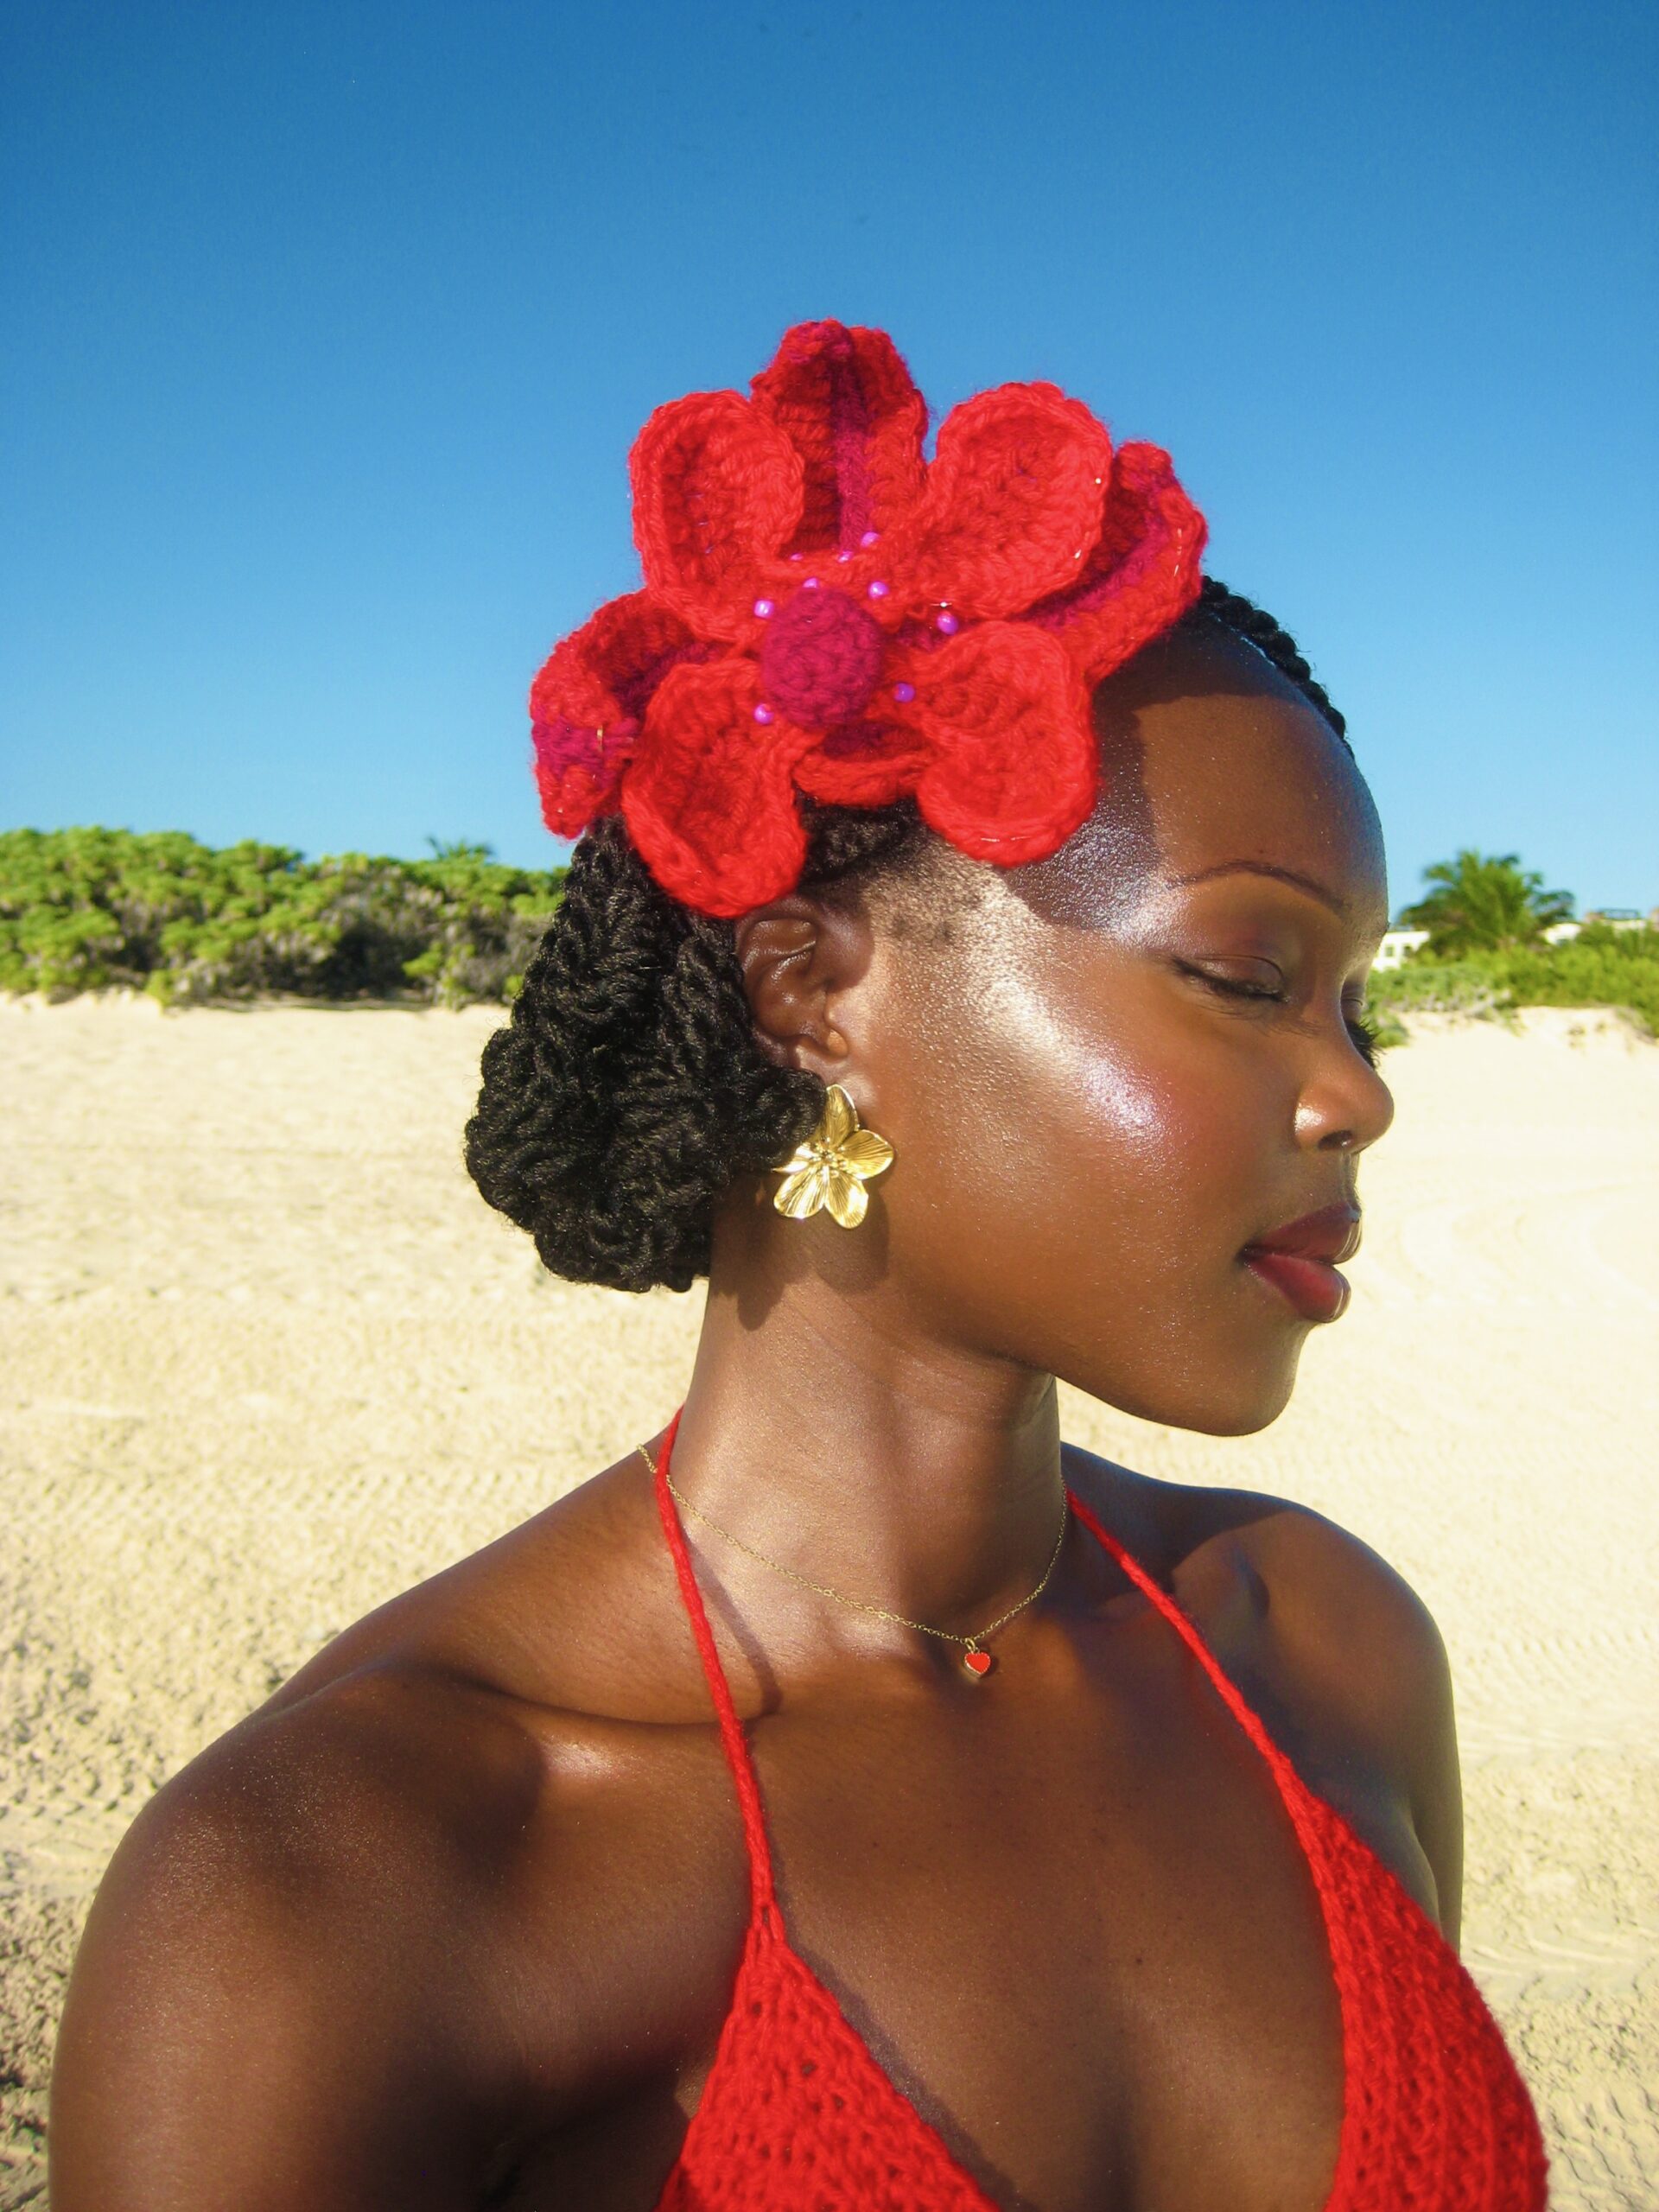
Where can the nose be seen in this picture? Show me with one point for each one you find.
(1345, 1104)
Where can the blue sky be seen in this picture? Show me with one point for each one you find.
(329, 328)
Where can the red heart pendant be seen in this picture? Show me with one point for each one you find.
(978, 1663)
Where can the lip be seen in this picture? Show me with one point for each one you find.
(1298, 1260)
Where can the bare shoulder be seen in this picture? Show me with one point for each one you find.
(1337, 1605)
(574, 1611)
(1309, 1611)
(286, 1913)
(459, 1800)
(1341, 1612)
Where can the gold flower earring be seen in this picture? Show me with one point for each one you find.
(831, 1168)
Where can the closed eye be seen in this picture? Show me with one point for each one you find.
(1237, 986)
(1367, 1037)
(1362, 1030)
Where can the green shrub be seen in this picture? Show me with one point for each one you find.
(84, 910)
(1600, 967)
(88, 909)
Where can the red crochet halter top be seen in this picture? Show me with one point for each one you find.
(796, 2116)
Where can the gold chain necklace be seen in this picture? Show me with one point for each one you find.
(978, 1663)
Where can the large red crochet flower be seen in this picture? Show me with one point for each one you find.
(825, 612)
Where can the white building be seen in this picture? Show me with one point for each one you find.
(1612, 918)
(1395, 944)
(1620, 917)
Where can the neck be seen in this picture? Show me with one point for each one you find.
(830, 1426)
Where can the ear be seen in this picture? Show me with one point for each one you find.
(799, 958)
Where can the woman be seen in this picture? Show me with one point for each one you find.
(855, 1795)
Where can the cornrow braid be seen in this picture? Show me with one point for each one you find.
(627, 1091)
(1258, 628)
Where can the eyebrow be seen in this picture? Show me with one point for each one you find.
(1314, 888)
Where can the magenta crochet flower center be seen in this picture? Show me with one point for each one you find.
(561, 743)
(821, 658)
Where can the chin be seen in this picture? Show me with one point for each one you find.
(1233, 1420)
(1241, 1403)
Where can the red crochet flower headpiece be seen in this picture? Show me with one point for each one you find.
(825, 612)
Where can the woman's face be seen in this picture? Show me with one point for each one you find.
(1118, 1079)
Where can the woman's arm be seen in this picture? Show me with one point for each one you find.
(276, 2003)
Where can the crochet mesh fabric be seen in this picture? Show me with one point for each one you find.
(797, 2117)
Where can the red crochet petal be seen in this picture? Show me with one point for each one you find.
(586, 701)
(1013, 504)
(1014, 768)
(846, 401)
(1145, 571)
(862, 763)
(577, 774)
(716, 490)
(709, 798)
(610, 666)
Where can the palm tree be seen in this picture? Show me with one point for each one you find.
(1485, 903)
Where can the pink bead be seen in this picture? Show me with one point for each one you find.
(843, 557)
(763, 607)
(904, 693)
(878, 589)
(763, 713)
(798, 556)
(947, 624)
(812, 584)
(870, 537)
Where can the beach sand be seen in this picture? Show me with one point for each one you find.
(268, 1358)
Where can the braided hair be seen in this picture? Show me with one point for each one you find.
(627, 1091)
(1216, 604)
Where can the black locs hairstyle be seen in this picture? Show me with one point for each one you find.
(627, 1091)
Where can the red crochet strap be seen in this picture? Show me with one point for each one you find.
(761, 1891)
(1288, 1780)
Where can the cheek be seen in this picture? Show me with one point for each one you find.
(1083, 1158)
(1101, 1132)
(1154, 1110)
(1159, 1167)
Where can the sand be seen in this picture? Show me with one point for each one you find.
(267, 1359)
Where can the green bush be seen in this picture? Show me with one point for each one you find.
(1600, 967)
(85, 910)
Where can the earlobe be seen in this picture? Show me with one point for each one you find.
(792, 962)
